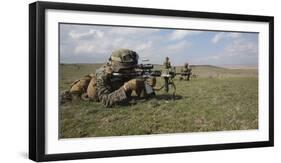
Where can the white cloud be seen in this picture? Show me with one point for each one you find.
(181, 34)
(234, 35)
(91, 44)
(91, 48)
(144, 46)
(131, 32)
(223, 35)
(217, 37)
(100, 41)
(242, 47)
(179, 46)
(90, 33)
(238, 51)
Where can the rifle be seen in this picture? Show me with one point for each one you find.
(146, 71)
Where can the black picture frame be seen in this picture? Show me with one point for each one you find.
(37, 80)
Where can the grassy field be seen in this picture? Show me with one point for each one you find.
(218, 99)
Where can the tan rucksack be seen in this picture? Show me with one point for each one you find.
(80, 86)
(84, 88)
(91, 93)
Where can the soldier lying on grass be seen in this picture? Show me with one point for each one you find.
(110, 89)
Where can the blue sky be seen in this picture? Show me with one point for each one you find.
(94, 44)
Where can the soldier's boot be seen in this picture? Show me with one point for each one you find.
(75, 96)
(65, 97)
(188, 77)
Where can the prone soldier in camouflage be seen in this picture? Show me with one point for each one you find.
(107, 88)
(112, 89)
(186, 72)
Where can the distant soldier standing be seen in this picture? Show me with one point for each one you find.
(167, 74)
(167, 63)
(186, 72)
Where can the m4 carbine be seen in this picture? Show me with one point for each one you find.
(146, 71)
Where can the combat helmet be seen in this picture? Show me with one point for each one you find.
(123, 59)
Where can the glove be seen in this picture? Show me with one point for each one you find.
(108, 71)
(134, 85)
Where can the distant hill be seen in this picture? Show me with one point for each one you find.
(207, 66)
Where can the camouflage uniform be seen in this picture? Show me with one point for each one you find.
(167, 63)
(104, 86)
(186, 72)
(110, 89)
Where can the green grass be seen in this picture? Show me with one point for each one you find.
(219, 99)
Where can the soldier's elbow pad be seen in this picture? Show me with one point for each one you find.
(113, 98)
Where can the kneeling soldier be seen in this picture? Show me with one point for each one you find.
(186, 72)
